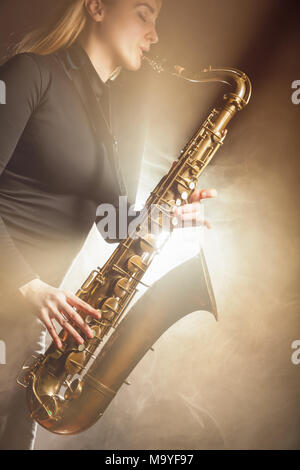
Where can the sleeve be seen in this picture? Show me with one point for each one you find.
(22, 81)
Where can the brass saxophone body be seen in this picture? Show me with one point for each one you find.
(68, 390)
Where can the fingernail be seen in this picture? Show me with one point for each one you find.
(203, 194)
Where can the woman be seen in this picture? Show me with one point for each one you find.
(57, 164)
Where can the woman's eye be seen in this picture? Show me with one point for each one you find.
(142, 17)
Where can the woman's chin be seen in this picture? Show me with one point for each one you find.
(134, 64)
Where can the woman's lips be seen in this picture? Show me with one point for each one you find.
(144, 49)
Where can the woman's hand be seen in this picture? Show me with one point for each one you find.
(190, 214)
(55, 304)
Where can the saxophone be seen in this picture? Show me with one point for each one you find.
(68, 390)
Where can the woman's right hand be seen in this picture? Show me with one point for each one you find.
(55, 304)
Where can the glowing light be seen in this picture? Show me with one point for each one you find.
(183, 244)
(161, 239)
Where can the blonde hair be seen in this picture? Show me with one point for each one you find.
(63, 34)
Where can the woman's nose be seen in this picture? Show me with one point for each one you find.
(153, 36)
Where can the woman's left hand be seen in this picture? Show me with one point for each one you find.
(191, 214)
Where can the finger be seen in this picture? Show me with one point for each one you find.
(64, 323)
(51, 329)
(76, 319)
(193, 219)
(196, 223)
(198, 195)
(68, 328)
(195, 207)
(75, 301)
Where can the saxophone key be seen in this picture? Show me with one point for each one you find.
(136, 264)
(169, 196)
(75, 362)
(96, 331)
(185, 195)
(110, 308)
(187, 182)
(123, 287)
(74, 390)
(89, 320)
(194, 168)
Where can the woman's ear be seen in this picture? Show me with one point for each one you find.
(95, 9)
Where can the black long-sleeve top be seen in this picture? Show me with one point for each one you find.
(53, 171)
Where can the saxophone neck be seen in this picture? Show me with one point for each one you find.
(236, 79)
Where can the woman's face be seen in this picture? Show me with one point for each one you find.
(128, 30)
